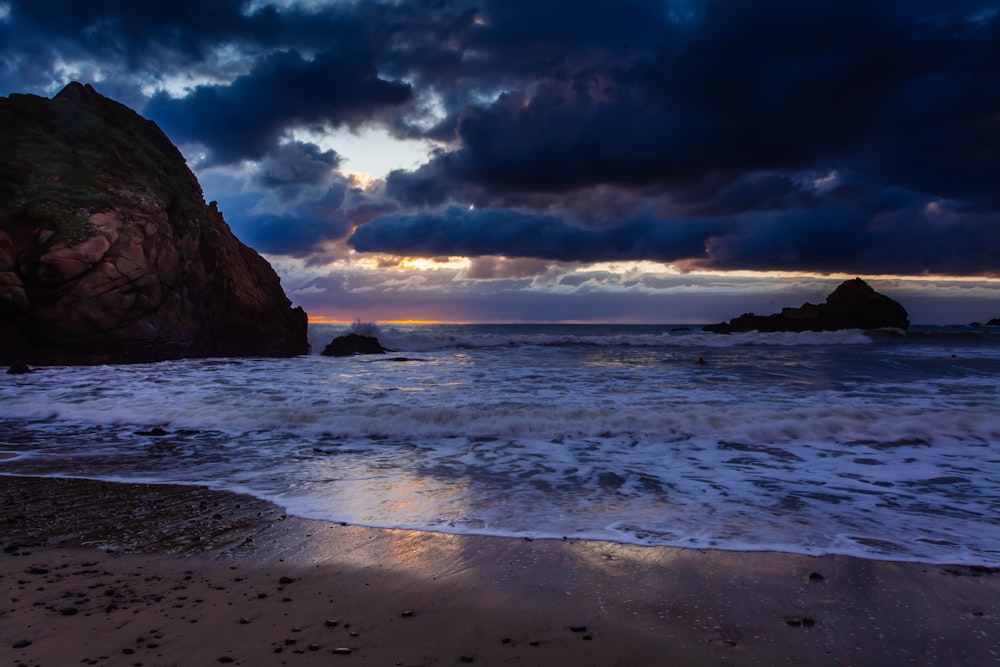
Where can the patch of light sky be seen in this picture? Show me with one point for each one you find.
(827, 182)
(79, 70)
(223, 64)
(4, 11)
(372, 151)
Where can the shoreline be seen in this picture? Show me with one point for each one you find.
(162, 575)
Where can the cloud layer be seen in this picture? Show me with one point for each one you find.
(833, 135)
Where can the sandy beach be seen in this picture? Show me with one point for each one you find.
(124, 574)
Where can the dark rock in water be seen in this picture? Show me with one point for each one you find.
(853, 305)
(18, 368)
(995, 322)
(352, 344)
(108, 251)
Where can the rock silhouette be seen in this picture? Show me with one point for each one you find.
(853, 305)
(352, 344)
(108, 251)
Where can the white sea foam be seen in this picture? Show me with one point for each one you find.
(450, 337)
(885, 449)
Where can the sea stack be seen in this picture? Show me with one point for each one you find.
(853, 305)
(108, 251)
(351, 345)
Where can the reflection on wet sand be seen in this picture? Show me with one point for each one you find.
(218, 575)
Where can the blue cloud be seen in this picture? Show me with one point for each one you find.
(465, 232)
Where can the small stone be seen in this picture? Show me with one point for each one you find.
(23, 643)
(342, 651)
(225, 659)
(816, 576)
(808, 622)
(467, 658)
(37, 570)
(505, 640)
(244, 621)
(330, 623)
(285, 580)
(578, 628)
(314, 647)
(19, 368)
(588, 637)
(407, 614)
(69, 611)
(289, 642)
(793, 623)
(128, 651)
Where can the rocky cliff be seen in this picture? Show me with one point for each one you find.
(108, 251)
(853, 305)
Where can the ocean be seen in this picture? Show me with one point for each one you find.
(867, 444)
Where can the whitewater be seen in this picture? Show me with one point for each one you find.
(880, 445)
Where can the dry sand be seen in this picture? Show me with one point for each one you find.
(114, 574)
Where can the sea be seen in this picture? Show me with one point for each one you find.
(881, 445)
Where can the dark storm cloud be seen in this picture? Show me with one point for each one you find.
(777, 85)
(296, 164)
(834, 238)
(293, 234)
(294, 201)
(513, 234)
(246, 117)
(134, 26)
(120, 43)
(741, 111)
(824, 135)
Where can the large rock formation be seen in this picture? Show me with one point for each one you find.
(853, 305)
(108, 252)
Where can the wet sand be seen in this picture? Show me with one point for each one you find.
(115, 574)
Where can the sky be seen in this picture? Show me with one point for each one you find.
(675, 161)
